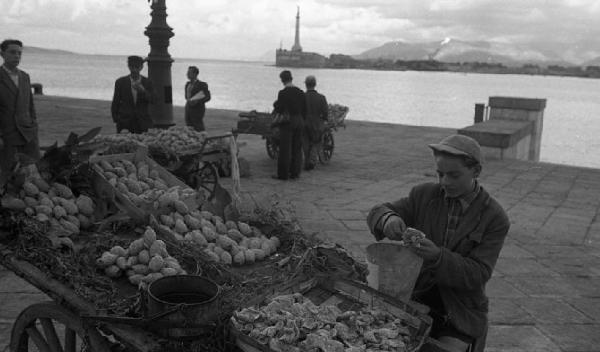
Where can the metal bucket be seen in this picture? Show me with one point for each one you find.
(185, 305)
(393, 269)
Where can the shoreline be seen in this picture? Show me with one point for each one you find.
(217, 119)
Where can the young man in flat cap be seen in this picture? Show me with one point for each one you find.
(131, 99)
(464, 229)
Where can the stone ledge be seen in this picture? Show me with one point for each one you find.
(498, 133)
(517, 103)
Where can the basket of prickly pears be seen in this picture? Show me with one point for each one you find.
(337, 115)
(330, 314)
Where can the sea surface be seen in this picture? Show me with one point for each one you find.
(571, 118)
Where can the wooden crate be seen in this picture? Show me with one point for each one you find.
(346, 295)
(121, 200)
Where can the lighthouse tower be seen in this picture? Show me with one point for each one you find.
(297, 46)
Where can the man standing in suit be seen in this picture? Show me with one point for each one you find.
(316, 115)
(132, 97)
(196, 95)
(291, 101)
(18, 123)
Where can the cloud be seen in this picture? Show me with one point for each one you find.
(246, 29)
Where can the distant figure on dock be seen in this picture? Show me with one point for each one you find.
(291, 101)
(132, 98)
(18, 121)
(460, 229)
(317, 111)
(196, 96)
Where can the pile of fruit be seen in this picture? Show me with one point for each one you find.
(337, 113)
(292, 323)
(141, 185)
(144, 261)
(176, 139)
(225, 242)
(54, 204)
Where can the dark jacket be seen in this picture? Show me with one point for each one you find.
(291, 99)
(18, 122)
(466, 265)
(135, 117)
(317, 111)
(197, 106)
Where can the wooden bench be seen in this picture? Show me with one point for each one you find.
(502, 139)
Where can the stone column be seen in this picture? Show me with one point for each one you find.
(521, 109)
(159, 65)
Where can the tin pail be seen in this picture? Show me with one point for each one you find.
(393, 269)
(185, 305)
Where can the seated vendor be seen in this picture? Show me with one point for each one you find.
(464, 229)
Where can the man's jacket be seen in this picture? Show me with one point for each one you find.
(127, 112)
(316, 114)
(18, 123)
(196, 108)
(466, 264)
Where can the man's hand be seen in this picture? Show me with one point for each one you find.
(394, 227)
(426, 249)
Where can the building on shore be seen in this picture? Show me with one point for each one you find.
(296, 57)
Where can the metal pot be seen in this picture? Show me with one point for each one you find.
(187, 305)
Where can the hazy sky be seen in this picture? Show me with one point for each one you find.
(247, 29)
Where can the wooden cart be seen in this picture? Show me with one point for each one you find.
(259, 123)
(199, 166)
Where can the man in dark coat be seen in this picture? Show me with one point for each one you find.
(18, 122)
(464, 229)
(290, 100)
(317, 111)
(196, 96)
(131, 99)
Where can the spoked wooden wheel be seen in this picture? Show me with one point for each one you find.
(272, 145)
(206, 180)
(47, 327)
(327, 148)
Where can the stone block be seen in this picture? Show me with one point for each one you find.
(552, 311)
(574, 337)
(506, 311)
(498, 133)
(550, 286)
(518, 338)
(517, 103)
(523, 267)
(498, 287)
(590, 306)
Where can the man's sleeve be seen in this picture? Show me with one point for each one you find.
(403, 208)
(31, 105)
(325, 109)
(278, 104)
(206, 93)
(114, 107)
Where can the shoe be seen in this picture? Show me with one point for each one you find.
(309, 167)
(294, 177)
(275, 177)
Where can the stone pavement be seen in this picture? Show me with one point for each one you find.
(545, 291)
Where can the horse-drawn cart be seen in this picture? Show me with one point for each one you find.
(259, 123)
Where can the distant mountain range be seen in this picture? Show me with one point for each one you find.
(38, 50)
(453, 50)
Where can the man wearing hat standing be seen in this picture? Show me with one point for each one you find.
(131, 99)
(316, 115)
(464, 229)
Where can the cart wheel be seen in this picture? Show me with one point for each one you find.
(327, 149)
(206, 180)
(272, 145)
(50, 327)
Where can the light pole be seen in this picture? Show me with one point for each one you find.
(159, 65)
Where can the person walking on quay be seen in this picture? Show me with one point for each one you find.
(18, 121)
(464, 229)
(290, 101)
(132, 97)
(317, 111)
(196, 96)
